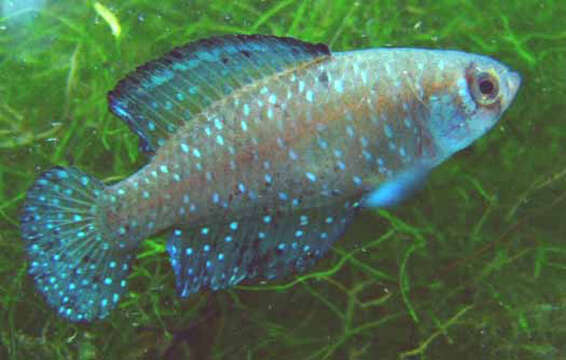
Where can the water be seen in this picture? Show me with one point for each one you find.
(470, 267)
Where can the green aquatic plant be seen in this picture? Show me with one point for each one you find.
(471, 267)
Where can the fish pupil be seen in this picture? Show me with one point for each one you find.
(486, 87)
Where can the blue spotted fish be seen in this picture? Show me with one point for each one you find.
(262, 151)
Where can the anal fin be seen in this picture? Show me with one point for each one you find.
(221, 255)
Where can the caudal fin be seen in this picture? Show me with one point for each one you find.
(76, 265)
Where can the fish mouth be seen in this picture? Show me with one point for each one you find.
(513, 83)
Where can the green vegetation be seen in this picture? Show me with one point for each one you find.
(472, 267)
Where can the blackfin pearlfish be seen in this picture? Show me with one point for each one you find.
(262, 151)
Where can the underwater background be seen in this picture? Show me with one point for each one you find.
(471, 267)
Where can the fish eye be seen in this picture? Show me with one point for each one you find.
(485, 88)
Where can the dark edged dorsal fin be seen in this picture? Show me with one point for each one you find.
(163, 94)
(220, 255)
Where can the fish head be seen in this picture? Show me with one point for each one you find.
(474, 92)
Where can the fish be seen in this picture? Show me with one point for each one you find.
(262, 150)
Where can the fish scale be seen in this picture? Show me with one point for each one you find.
(263, 149)
(316, 142)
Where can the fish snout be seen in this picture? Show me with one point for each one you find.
(513, 84)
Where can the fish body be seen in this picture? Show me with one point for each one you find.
(263, 150)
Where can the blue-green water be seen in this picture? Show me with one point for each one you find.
(470, 267)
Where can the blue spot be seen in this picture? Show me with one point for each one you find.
(62, 174)
(299, 233)
(281, 246)
(261, 235)
(108, 281)
(185, 148)
(218, 124)
(283, 196)
(219, 140)
(329, 220)
(268, 178)
(206, 247)
(350, 131)
(228, 238)
(339, 86)
(196, 153)
(310, 96)
(164, 169)
(241, 187)
(267, 219)
(204, 231)
(388, 131)
(189, 251)
(292, 154)
(310, 176)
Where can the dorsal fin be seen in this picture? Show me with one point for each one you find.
(162, 95)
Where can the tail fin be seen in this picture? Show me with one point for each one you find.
(79, 269)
